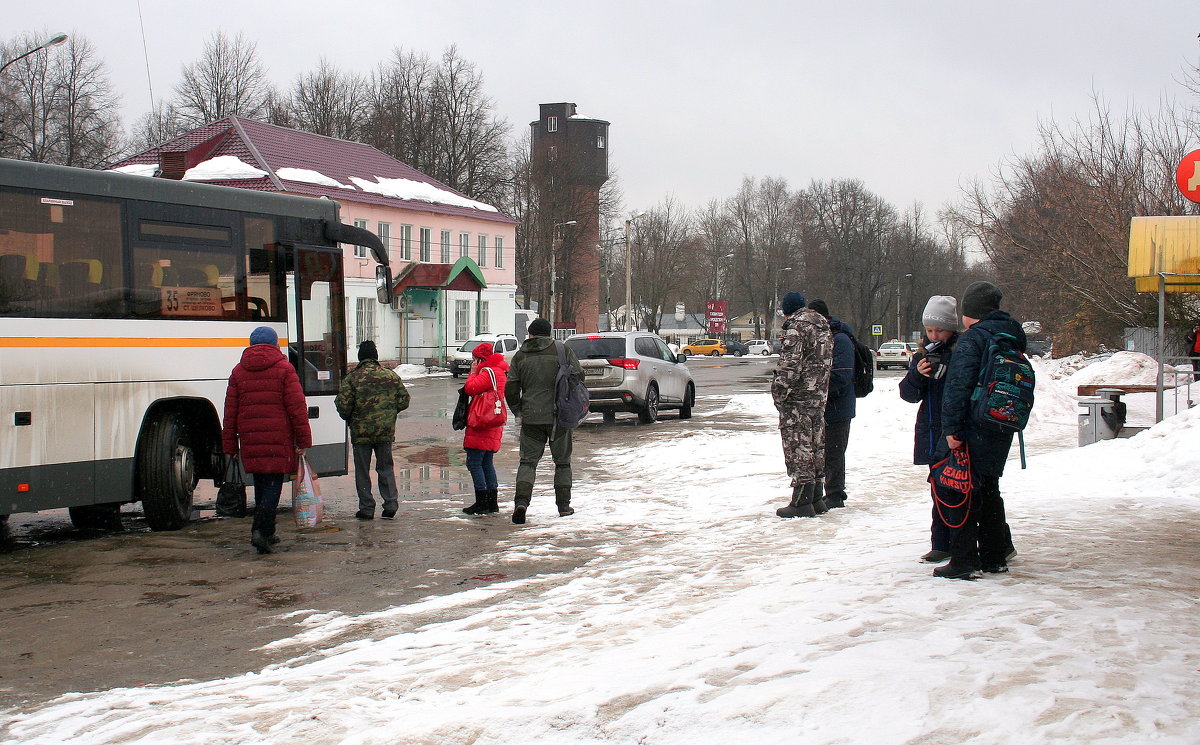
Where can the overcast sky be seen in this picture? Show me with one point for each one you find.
(913, 98)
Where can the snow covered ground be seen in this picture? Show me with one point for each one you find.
(702, 618)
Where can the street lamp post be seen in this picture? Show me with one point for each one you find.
(629, 270)
(899, 334)
(775, 313)
(554, 245)
(56, 39)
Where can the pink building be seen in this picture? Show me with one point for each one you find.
(452, 256)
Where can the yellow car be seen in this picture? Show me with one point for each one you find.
(714, 347)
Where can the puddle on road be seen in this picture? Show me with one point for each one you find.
(160, 598)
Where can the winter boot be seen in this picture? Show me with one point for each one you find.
(835, 499)
(818, 500)
(801, 504)
(260, 541)
(956, 571)
(562, 500)
(492, 505)
(518, 516)
(481, 503)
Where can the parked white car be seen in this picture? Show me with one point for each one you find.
(460, 359)
(760, 346)
(893, 354)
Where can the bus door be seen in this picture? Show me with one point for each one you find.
(317, 348)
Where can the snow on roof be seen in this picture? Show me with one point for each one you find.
(309, 176)
(402, 188)
(222, 167)
(138, 169)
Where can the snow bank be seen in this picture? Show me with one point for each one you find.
(310, 177)
(402, 188)
(149, 170)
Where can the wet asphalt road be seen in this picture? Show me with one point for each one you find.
(87, 611)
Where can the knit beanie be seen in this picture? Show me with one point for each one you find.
(820, 307)
(367, 351)
(539, 327)
(482, 351)
(941, 312)
(792, 302)
(980, 299)
(264, 335)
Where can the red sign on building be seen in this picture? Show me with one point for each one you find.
(714, 315)
(1187, 176)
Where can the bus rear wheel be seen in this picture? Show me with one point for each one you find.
(167, 473)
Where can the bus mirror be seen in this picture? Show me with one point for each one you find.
(383, 283)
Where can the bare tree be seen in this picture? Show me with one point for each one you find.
(58, 105)
(156, 127)
(229, 79)
(329, 102)
(663, 259)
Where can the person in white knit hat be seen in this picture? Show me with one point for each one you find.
(924, 384)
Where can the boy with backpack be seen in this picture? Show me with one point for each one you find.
(532, 393)
(983, 541)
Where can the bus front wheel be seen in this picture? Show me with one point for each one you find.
(167, 473)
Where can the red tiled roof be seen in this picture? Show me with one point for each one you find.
(435, 275)
(270, 148)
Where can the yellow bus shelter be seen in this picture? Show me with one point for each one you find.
(1164, 256)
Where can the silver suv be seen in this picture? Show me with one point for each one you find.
(633, 371)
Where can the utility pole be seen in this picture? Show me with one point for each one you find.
(629, 271)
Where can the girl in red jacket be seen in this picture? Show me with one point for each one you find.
(266, 421)
(481, 444)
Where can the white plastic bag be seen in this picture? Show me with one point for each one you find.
(307, 507)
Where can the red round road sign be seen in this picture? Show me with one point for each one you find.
(1187, 176)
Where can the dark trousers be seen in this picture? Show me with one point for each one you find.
(533, 446)
(383, 470)
(483, 472)
(267, 488)
(984, 539)
(837, 437)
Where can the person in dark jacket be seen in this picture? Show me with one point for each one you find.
(840, 407)
(799, 386)
(488, 369)
(923, 384)
(369, 398)
(984, 540)
(266, 422)
(530, 394)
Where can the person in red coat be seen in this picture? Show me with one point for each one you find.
(481, 444)
(266, 422)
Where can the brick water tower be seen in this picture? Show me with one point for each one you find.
(569, 164)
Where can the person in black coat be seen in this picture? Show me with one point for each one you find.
(923, 384)
(984, 540)
(839, 407)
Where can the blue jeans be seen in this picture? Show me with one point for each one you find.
(483, 473)
(267, 488)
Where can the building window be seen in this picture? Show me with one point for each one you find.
(481, 258)
(406, 242)
(499, 251)
(445, 246)
(426, 239)
(552, 153)
(600, 141)
(364, 318)
(464, 244)
(385, 236)
(552, 124)
(360, 252)
(462, 320)
(483, 318)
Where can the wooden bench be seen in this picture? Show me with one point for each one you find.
(1090, 390)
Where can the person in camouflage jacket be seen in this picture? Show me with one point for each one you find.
(369, 400)
(800, 386)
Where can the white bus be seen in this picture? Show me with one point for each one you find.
(125, 302)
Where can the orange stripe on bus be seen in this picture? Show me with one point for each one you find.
(29, 341)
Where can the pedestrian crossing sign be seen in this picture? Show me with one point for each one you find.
(877, 329)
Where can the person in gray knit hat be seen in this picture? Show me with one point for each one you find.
(924, 384)
(981, 540)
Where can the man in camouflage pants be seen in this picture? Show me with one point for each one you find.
(369, 400)
(799, 387)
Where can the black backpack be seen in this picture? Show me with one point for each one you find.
(864, 367)
(1003, 395)
(571, 396)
